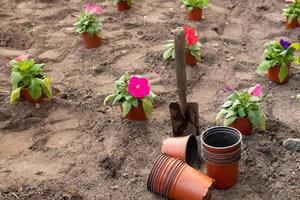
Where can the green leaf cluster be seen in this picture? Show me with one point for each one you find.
(242, 104)
(28, 74)
(276, 54)
(129, 2)
(87, 23)
(170, 50)
(121, 95)
(292, 11)
(191, 4)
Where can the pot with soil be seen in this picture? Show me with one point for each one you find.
(174, 179)
(195, 14)
(292, 13)
(221, 153)
(195, 8)
(243, 124)
(123, 5)
(31, 82)
(190, 59)
(273, 74)
(294, 24)
(90, 27)
(183, 148)
(134, 96)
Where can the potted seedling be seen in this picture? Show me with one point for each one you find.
(29, 81)
(89, 27)
(278, 57)
(193, 54)
(134, 95)
(292, 13)
(243, 110)
(123, 5)
(194, 8)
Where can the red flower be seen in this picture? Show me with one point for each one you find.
(190, 35)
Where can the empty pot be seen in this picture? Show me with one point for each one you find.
(184, 148)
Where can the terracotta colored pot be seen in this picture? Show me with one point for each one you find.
(273, 74)
(243, 124)
(195, 14)
(221, 139)
(292, 25)
(171, 178)
(223, 156)
(91, 41)
(136, 114)
(191, 185)
(190, 59)
(184, 148)
(25, 95)
(123, 6)
(225, 175)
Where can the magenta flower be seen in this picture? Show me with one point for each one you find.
(93, 8)
(138, 87)
(256, 90)
(229, 88)
(23, 57)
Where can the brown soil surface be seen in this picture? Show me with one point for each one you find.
(75, 148)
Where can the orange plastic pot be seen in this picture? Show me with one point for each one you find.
(184, 148)
(192, 185)
(190, 59)
(123, 5)
(243, 124)
(221, 139)
(225, 175)
(292, 25)
(25, 95)
(195, 14)
(223, 156)
(91, 41)
(136, 114)
(273, 74)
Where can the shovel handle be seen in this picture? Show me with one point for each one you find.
(180, 63)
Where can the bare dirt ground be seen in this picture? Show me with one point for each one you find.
(75, 148)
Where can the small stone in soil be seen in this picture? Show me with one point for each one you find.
(292, 144)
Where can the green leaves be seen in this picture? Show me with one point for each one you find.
(168, 53)
(195, 3)
(15, 78)
(126, 107)
(147, 106)
(228, 121)
(283, 73)
(35, 89)
(45, 89)
(265, 65)
(89, 24)
(292, 11)
(15, 94)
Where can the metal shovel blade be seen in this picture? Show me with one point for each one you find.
(185, 125)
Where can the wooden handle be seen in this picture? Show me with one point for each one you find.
(180, 63)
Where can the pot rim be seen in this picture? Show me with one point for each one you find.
(224, 164)
(191, 161)
(163, 172)
(221, 161)
(222, 148)
(157, 172)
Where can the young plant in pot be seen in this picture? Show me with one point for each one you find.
(135, 97)
(123, 5)
(89, 27)
(292, 13)
(195, 8)
(29, 81)
(193, 54)
(243, 110)
(278, 57)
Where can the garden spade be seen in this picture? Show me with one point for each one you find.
(184, 116)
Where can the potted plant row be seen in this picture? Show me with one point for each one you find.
(29, 81)
(123, 5)
(292, 13)
(278, 57)
(89, 26)
(193, 54)
(242, 110)
(195, 8)
(134, 95)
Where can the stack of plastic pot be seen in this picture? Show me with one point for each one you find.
(221, 151)
(174, 179)
(172, 175)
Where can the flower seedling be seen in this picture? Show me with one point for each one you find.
(194, 8)
(27, 75)
(89, 26)
(123, 4)
(192, 46)
(131, 92)
(279, 54)
(241, 104)
(292, 12)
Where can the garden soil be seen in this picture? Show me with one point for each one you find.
(76, 148)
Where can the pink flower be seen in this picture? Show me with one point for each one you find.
(93, 8)
(229, 88)
(23, 57)
(138, 87)
(256, 90)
